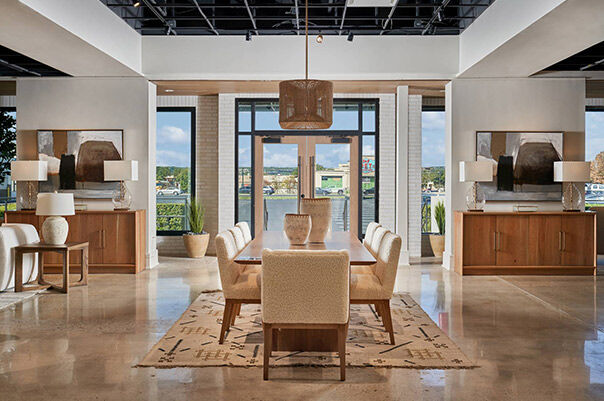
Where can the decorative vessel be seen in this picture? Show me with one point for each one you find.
(297, 228)
(319, 210)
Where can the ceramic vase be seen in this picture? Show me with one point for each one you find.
(319, 210)
(196, 244)
(297, 228)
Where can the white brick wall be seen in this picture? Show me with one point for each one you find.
(415, 175)
(226, 161)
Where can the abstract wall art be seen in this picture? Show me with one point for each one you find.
(523, 165)
(75, 161)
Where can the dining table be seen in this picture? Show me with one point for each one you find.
(296, 340)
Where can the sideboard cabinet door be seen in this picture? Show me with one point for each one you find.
(479, 240)
(545, 240)
(119, 238)
(578, 240)
(512, 240)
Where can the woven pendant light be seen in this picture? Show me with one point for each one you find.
(305, 103)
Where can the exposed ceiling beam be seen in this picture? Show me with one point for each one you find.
(297, 17)
(587, 67)
(160, 16)
(316, 5)
(390, 14)
(343, 18)
(205, 18)
(249, 12)
(435, 15)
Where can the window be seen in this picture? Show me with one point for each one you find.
(8, 148)
(433, 165)
(175, 168)
(594, 152)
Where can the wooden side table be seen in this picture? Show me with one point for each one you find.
(40, 248)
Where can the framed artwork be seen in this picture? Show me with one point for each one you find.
(523, 165)
(75, 161)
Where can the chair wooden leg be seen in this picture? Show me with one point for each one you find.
(234, 313)
(226, 319)
(238, 310)
(377, 309)
(342, 332)
(387, 319)
(268, 347)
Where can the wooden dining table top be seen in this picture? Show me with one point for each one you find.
(276, 240)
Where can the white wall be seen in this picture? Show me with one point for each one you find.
(527, 104)
(282, 57)
(100, 103)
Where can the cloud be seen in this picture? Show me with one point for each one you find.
(172, 135)
(432, 120)
(172, 158)
(279, 160)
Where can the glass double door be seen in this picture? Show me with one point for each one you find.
(289, 168)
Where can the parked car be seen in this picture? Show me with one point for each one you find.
(168, 192)
(322, 191)
(339, 191)
(268, 190)
(246, 189)
(369, 192)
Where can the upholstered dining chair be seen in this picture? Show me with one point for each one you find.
(239, 238)
(369, 231)
(313, 295)
(245, 229)
(377, 239)
(239, 285)
(377, 288)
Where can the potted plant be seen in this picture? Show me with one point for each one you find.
(437, 241)
(196, 241)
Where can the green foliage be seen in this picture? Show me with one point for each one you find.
(8, 144)
(196, 215)
(170, 217)
(182, 175)
(439, 216)
(435, 175)
(426, 218)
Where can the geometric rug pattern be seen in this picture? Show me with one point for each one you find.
(193, 340)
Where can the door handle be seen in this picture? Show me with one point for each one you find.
(300, 195)
(560, 240)
(563, 241)
(495, 241)
(104, 243)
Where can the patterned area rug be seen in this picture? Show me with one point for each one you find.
(193, 340)
(10, 297)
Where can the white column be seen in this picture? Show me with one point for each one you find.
(402, 170)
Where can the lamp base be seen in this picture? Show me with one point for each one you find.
(55, 230)
(122, 198)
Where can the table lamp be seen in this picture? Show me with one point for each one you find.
(474, 172)
(572, 172)
(28, 171)
(55, 206)
(121, 170)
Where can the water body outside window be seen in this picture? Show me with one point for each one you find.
(594, 152)
(433, 166)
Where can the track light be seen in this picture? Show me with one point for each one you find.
(350, 36)
(320, 38)
(439, 16)
(136, 4)
(248, 36)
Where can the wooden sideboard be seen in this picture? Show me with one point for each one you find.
(116, 239)
(525, 243)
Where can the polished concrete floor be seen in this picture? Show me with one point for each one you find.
(536, 338)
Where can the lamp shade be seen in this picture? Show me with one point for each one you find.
(305, 104)
(571, 171)
(55, 204)
(475, 171)
(120, 170)
(28, 170)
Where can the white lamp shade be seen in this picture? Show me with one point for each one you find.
(572, 171)
(28, 170)
(55, 204)
(120, 170)
(477, 171)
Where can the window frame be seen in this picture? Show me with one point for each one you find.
(192, 110)
(334, 133)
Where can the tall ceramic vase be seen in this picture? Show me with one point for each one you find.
(297, 228)
(319, 210)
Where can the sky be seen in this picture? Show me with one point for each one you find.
(433, 138)
(173, 138)
(594, 134)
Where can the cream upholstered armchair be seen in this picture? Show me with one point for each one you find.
(369, 231)
(305, 290)
(377, 288)
(367, 241)
(239, 238)
(376, 240)
(245, 229)
(12, 235)
(238, 284)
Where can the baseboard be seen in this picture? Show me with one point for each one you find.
(152, 259)
(448, 260)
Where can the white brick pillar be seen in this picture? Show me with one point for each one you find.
(415, 175)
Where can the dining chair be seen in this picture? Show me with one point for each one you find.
(239, 285)
(369, 231)
(313, 295)
(245, 229)
(239, 238)
(377, 288)
(377, 239)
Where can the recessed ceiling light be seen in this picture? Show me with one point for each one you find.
(319, 38)
(169, 90)
(370, 3)
(137, 4)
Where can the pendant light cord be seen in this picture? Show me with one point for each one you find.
(306, 30)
